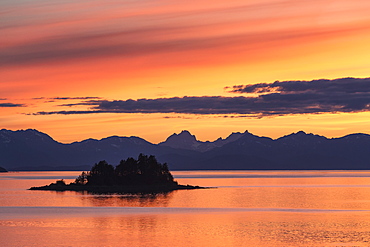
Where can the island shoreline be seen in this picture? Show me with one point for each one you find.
(116, 188)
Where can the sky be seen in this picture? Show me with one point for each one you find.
(91, 69)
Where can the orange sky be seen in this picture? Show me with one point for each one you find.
(120, 50)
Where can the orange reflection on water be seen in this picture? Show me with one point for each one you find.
(234, 189)
(141, 200)
(247, 209)
(193, 229)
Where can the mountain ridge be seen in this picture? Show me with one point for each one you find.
(33, 150)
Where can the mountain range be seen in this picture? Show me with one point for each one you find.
(33, 150)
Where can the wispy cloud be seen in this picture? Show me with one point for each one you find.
(54, 99)
(66, 98)
(70, 98)
(11, 105)
(278, 98)
(85, 46)
(177, 27)
(73, 98)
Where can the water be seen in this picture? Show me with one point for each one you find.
(248, 208)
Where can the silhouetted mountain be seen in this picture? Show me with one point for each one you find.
(185, 140)
(29, 148)
(33, 150)
(233, 137)
(3, 169)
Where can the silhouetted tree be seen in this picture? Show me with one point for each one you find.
(82, 178)
(60, 182)
(127, 167)
(165, 173)
(146, 170)
(102, 173)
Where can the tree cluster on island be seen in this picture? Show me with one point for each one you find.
(146, 170)
(145, 174)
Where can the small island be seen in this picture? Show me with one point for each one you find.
(2, 169)
(144, 175)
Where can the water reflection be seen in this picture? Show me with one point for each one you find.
(126, 200)
(247, 209)
(192, 229)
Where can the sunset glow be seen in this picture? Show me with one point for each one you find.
(59, 61)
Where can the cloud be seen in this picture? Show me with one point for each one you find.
(73, 98)
(65, 98)
(82, 46)
(166, 33)
(11, 105)
(323, 86)
(54, 99)
(186, 105)
(316, 96)
(278, 98)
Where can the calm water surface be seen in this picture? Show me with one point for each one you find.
(248, 208)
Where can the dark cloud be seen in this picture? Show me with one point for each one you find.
(84, 103)
(11, 105)
(278, 98)
(187, 105)
(342, 86)
(316, 96)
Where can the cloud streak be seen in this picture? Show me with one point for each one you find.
(278, 98)
(11, 105)
(54, 99)
(83, 46)
(129, 33)
(74, 98)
